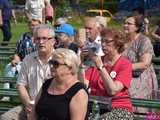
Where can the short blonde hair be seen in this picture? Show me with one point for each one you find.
(70, 58)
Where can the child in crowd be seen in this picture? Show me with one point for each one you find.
(11, 70)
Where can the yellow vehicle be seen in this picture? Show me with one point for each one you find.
(100, 12)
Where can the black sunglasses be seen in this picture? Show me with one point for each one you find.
(55, 64)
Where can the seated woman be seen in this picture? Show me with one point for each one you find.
(111, 75)
(62, 97)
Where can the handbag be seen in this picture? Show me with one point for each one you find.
(136, 73)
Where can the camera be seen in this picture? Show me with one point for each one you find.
(94, 49)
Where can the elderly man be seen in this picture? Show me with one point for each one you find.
(93, 41)
(34, 71)
(65, 35)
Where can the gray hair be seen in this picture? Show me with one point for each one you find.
(94, 20)
(69, 57)
(44, 26)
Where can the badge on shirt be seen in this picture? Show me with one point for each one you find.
(113, 74)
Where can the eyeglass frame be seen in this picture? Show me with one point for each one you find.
(44, 39)
(55, 64)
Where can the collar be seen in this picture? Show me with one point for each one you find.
(97, 40)
(37, 56)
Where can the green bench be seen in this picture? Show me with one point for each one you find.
(12, 93)
(105, 101)
(8, 48)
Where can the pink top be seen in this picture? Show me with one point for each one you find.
(49, 11)
(120, 71)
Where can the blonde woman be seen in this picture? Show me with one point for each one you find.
(62, 97)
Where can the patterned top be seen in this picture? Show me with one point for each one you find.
(142, 85)
(33, 73)
(25, 46)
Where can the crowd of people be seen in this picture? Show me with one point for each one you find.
(59, 66)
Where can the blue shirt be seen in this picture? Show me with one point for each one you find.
(11, 71)
(5, 6)
(25, 45)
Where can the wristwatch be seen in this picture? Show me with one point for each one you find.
(100, 67)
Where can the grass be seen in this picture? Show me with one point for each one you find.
(17, 30)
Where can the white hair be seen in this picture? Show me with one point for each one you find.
(69, 57)
(44, 26)
(101, 20)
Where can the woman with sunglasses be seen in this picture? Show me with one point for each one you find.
(139, 51)
(63, 97)
(111, 76)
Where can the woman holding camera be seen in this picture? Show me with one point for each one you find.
(139, 51)
(111, 75)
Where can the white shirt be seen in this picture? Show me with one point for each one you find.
(33, 73)
(35, 7)
(95, 44)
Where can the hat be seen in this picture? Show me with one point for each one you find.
(66, 28)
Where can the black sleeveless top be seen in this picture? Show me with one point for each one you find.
(56, 107)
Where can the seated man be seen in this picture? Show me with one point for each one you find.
(34, 71)
(65, 37)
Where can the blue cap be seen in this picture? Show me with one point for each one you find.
(66, 28)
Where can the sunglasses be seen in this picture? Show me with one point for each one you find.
(55, 64)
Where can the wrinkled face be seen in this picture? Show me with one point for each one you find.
(63, 38)
(45, 41)
(129, 25)
(91, 30)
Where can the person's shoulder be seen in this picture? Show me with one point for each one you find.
(24, 35)
(144, 39)
(125, 61)
(31, 56)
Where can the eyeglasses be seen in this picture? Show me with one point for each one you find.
(55, 64)
(107, 42)
(44, 39)
(89, 28)
(128, 23)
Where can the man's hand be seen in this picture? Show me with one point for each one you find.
(29, 106)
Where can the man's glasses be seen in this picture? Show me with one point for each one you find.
(44, 39)
(55, 64)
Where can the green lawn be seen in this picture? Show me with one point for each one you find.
(17, 30)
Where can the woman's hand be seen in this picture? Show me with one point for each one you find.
(96, 59)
